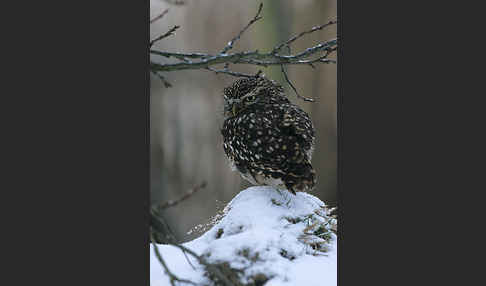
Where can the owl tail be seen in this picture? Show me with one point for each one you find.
(302, 180)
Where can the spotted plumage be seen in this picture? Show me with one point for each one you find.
(266, 138)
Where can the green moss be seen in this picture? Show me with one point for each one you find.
(219, 233)
(285, 254)
(276, 203)
(293, 220)
(258, 280)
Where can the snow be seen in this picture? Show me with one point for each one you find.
(262, 231)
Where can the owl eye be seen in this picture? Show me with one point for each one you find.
(251, 98)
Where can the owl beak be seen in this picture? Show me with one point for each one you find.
(231, 109)
(227, 110)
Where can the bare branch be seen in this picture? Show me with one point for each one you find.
(180, 55)
(170, 32)
(257, 17)
(159, 16)
(164, 81)
(211, 268)
(249, 57)
(189, 193)
(164, 234)
(293, 87)
(289, 41)
(171, 275)
(175, 2)
(229, 72)
(288, 61)
(316, 54)
(162, 230)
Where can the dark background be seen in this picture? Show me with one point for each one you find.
(186, 144)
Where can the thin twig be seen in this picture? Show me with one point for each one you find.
(209, 267)
(176, 2)
(286, 62)
(180, 55)
(159, 16)
(289, 41)
(171, 240)
(293, 87)
(170, 32)
(164, 81)
(257, 17)
(171, 275)
(159, 226)
(183, 198)
(229, 72)
(290, 83)
(163, 230)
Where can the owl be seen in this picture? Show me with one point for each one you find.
(266, 138)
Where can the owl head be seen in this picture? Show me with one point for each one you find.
(245, 92)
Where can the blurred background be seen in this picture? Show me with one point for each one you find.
(186, 144)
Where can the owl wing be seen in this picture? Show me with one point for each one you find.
(297, 123)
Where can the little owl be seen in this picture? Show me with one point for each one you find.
(266, 138)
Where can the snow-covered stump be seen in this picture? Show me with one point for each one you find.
(265, 238)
